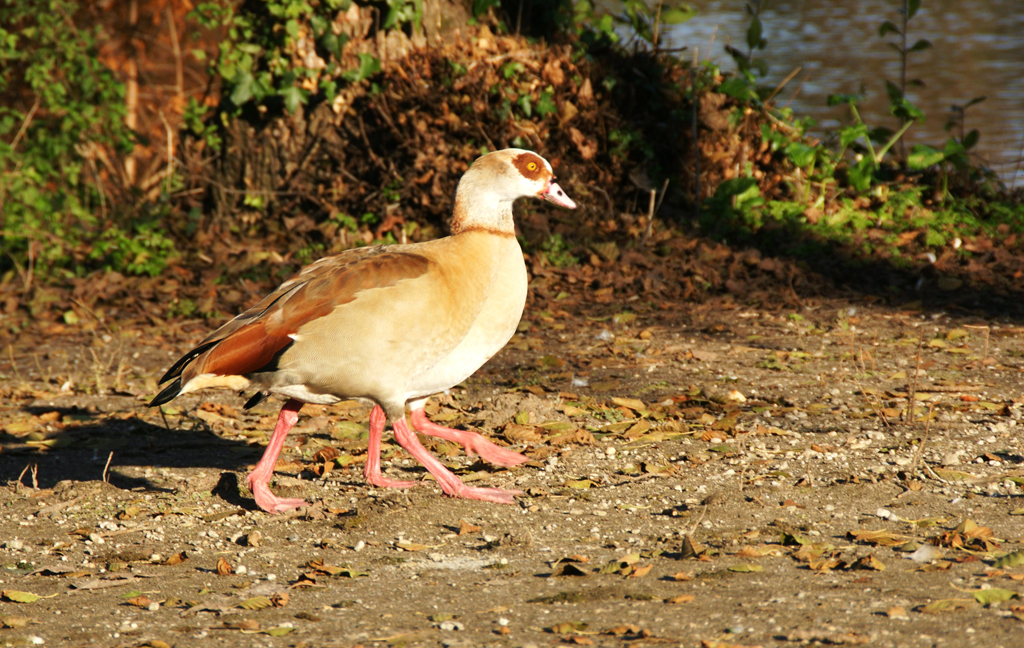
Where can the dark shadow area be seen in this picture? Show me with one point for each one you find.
(985, 283)
(80, 453)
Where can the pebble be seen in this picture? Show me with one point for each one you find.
(926, 554)
(451, 626)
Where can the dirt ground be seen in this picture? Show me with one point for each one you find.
(701, 475)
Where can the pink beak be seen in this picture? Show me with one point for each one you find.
(555, 195)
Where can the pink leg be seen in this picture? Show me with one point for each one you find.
(471, 441)
(372, 469)
(259, 478)
(450, 484)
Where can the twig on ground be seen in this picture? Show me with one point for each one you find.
(912, 384)
(107, 467)
(922, 441)
(14, 365)
(18, 484)
(53, 508)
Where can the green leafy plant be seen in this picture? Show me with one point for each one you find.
(745, 61)
(642, 20)
(62, 137)
(899, 105)
(291, 52)
(861, 175)
(558, 251)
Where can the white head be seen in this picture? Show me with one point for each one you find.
(493, 182)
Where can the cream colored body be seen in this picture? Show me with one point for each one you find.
(463, 310)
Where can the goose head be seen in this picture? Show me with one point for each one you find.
(494, 181)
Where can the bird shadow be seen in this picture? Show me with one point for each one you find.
(100, 449)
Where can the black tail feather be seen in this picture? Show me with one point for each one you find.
(256, 399)
(177, 367)
(168, 394)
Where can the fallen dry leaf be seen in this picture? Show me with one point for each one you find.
(682, 598)
(224, 568)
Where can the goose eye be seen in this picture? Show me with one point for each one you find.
(532, 166)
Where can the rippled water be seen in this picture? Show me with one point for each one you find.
(978, 49)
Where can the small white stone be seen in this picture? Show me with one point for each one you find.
(241, 569)
(926, 554)
(502, 621)
(451, 626)
(359, 546)
(271, 577)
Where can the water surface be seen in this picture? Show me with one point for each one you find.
(978, 50)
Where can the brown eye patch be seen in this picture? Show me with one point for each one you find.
(530, 165)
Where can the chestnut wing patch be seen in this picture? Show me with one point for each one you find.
(253, 344)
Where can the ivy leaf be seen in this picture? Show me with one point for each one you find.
(754, 32)
(243, 90)
(1010, 560)
(994, 595)
(923, 156)
(801, 155)
(888, 28)
(279, 631)
(256, 603)
(546, 104)
(851, 134)
(368, 66)
(861, 174)
(293, 98)
(22, 597)
(738, 88)
(920, 45)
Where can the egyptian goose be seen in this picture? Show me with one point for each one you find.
(391, 324)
